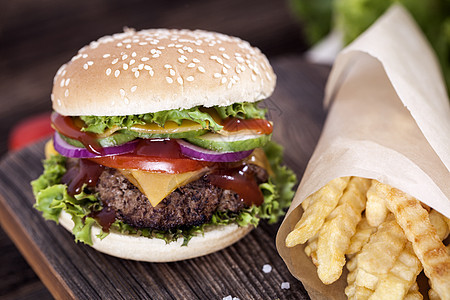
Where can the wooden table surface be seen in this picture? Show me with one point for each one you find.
(36, 37)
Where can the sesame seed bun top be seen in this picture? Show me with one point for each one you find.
(137, 72)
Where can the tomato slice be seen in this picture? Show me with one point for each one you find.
(161, 156)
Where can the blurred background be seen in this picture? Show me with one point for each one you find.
(36, 37)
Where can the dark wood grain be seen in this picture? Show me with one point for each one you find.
(76, 270)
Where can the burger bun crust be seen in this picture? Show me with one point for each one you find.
(137, 72)
(141, 248)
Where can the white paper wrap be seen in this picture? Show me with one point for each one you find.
(389, 120)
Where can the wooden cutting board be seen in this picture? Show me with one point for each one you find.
(76, 271)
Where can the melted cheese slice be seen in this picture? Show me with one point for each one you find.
(157, 186)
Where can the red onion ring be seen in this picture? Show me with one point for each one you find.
(199, 153)
(65, 149)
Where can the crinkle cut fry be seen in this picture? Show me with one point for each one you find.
(432, 295)
(320, 205)
(439, 223)
(401, 278)
(376, 210)
(430, 250)
(361, 236)
(339, 227)
(376, 258)
(413, 293)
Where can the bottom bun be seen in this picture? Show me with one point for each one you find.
(141, 248)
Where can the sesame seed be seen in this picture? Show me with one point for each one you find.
(62, 83)
(145, 59)
(196, 60)
(128, 46)
(124, 57)
(285, 286)
(136, 74)
(190, 78)
(115, 61)
(133, 88)
(181, 60)
(66, 93)
(219, 60)
(151, 72)
(155, 55)
(223, 80)
(230, 84)
(108, 71)
(143, 43)
(63, 73)
(224, 70)
(126, 100)
(236, 78)
(200, 51)
(217, 75)
(201, 69)
(240, 59)
(85, 66)
(125, 66)
(178, 46)
(59, 102)
(191, 65)
(180, 51)
(85, 55)
(147, 67)
(221, 49)
(133, 54)
(180, 80)
(117, 73)
(172, 72)
(213, 57)
(171, 45)
(253, 77)
(119, 44)
(161, 47)
(67, 82)
(169, 80)
(167, 66)
(122, 92)
(106, 55)
(226, 56)
(132, 62)
(141, 66)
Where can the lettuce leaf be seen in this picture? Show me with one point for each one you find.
(98, 124)
(52, 198)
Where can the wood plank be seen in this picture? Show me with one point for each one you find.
(77, 271)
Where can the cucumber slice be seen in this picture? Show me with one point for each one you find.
(175, 135)
(231, 143)
(115, 139)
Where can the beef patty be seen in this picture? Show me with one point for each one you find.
(189, 205)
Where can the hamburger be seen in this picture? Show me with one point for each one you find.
(162, 150)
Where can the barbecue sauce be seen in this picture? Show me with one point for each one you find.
(105, 217)
(261, 126)
(86, 172)
(66, 126)
(239, 180)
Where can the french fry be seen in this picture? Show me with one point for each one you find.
(413, 293)
(439, 223)
(432, 294)
(361, 236)
(376, 258)
(376, 210)
(430, 250)
(311, 249)
(321, 204)
(339, 227)
(402, 276)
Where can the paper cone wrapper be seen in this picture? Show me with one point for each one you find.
(389, 120)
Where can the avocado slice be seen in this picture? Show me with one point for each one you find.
(115, 139)
(230, 143)
(175, 135)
